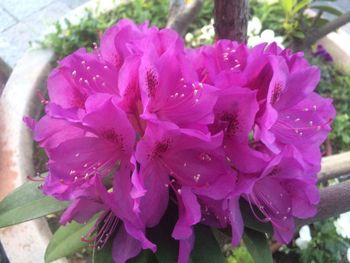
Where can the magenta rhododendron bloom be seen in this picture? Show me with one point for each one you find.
(141, 124)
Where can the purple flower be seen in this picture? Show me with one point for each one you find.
(116, 220)
(290, 111)
(92, 146)
(294, 194)
(79, 75)
(141, 121)
(187, 162)
(323, 53)
(235, 114)
(172, 91)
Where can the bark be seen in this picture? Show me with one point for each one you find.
(316, 35)
(334, 201)
(231, 19)
(334, 166)
(182, 15)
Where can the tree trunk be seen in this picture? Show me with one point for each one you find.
(182, 15)
(319, 33)
(231, 19)
(334, 201)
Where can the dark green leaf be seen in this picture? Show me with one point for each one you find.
(67, 240)
(206, 248)
(321, 22)
(167, 247)
(328, 9)
(257, 245)
(298, 34)
(250, 220)
(26, 203)
(146, 256)
(104, 255)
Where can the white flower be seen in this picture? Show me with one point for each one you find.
(188, 37)
(254, 26)
(342, 225)
(267, 36)
(304, 237)
(207, 32)
(268, 1)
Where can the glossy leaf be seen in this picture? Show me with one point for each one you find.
(25, 203)
(257, 245)
(67, 240)
(206, 248)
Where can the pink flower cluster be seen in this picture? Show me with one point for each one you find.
(142, 121)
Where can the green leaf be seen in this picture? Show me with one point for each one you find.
(167, 247)
(257, 246)
(300, 6)
(298, 34)
(67, 240)
(250, 220)
(25, 203)
(103, 255)
(146, 256)
(287, 6)
(328, 9)
(206, 248)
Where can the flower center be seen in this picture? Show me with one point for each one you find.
(152, 82)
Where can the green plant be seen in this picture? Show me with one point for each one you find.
(289, 19)
(69, 37)
(240, 255)
(326, 245)
(336, 84)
